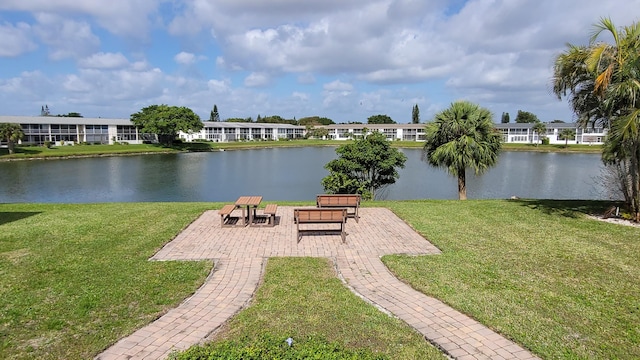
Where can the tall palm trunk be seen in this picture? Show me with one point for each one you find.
(462, 185)
(635, 182)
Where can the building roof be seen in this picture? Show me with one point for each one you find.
(530, 125)
(375, 126)
(255, 125)
(59, 120)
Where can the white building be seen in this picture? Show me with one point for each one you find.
(241, 131)
(72, 130)
(511, 133)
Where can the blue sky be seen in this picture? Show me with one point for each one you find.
(341, 59)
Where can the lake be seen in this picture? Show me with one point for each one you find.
(283, 174)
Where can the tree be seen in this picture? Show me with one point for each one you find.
(214, 116)
(566, 134)
(363, 167)
(166, 121)
(317, 132)
(462, 136)
(241, 120)
(380, 119)
(526, 117)
(415, 115)
(505, 118)
(11, 133)
(540, 129)
(601, 82)
(315, 120)
(71, 114)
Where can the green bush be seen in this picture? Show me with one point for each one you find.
(47, 144)
(272, 347)
(545, 141)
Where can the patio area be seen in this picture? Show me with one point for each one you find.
(239, 254)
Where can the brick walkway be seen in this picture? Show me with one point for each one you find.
(239, 255)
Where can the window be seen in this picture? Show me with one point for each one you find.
(390, 134)
(126, 133)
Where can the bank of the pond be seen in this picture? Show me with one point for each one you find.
(81, 151)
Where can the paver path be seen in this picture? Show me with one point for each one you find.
(239, 255)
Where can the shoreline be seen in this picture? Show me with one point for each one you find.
(217, 147)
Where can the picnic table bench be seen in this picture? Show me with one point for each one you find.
(348, 201)
(226, 220)
(319, 216)
(267, 218)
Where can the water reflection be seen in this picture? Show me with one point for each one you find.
(282, 174)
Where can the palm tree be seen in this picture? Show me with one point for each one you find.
(602, 81)
(461, 137)
(566, 134)
(540, 130)
(11, 133)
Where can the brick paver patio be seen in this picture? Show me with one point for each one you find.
(239, 255)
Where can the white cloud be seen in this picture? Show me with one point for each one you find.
(130, 18)
(300, 96)
(184, 58)
(65, 38)
(15, 40)
(104, 61)
(27, 86)
(218, 86)
(338, 86)
(384, 52)
(257, 80)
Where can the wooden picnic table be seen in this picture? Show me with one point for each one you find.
(250, 204)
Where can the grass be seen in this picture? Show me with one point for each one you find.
(302, 298)
(81, 150)
(556, 282)
(75, 278)
(29, 152)
(581, 148)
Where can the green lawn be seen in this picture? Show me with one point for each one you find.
(75, 278)
(556, 282)
(81, 150)
(120, 149)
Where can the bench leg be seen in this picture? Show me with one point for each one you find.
(223, 218)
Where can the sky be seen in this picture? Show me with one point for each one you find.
(342, 59)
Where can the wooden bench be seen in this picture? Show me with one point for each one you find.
(319, 216)
(268, 216)
(349, 201)
(226, 220)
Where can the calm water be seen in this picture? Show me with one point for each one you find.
(282, 174)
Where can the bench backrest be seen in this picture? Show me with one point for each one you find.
(320, 215)
(351, 200)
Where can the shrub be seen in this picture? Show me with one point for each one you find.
(271, 347)
(47, 144)
(545, 141)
